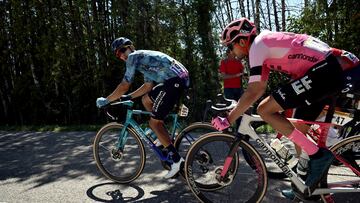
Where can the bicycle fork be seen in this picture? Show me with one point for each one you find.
(224, 174)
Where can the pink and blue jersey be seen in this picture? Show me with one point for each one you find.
(293, 54)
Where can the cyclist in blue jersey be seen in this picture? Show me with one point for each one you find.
(164, 81)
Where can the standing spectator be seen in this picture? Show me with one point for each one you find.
(231, 70)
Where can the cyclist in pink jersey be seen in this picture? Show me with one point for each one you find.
(317, 72)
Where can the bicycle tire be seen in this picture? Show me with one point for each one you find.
(236, 189)
(349, 150)
(119, 170)
(190, 134)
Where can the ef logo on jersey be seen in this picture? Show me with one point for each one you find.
(301, 85)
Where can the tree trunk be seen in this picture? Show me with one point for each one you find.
(277, 26)
(306, 3)
(248, 9)
(329, 21)
(269, 13)
(221, 17)
(189, 42)
(253, 10)
(263, 18)
(283, 15)
(257, 15)
(335, 21)
(242, 8)
(229, 10)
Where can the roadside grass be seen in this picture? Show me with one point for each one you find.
(51, 128)
(265, 129)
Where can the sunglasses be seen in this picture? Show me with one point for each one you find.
(231, 46)
(122, 50)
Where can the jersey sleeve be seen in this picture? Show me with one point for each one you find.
(130, 70)
(257, 56)
(147, 79)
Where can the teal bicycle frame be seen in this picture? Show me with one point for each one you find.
(130, 122)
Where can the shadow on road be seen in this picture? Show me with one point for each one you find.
(38, 159)
(114, 193)
(41, 166)
(48, 156)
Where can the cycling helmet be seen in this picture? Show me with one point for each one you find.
(120, 43)
(238, 28)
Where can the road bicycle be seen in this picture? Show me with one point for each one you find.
(216, 158)
(119, 149)
(221, 105)
(342, 111)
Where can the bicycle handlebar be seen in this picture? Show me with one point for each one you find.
(128, 103)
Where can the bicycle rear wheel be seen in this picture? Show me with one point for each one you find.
(190, 134)
(340, 175)
(204, 163)
(121, 165)
(187, 137)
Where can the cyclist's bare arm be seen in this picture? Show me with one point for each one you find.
(254, 91)
(121, 89)
(145, 88)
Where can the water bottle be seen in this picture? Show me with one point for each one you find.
(303, 163)
(150, 134)
(332, 137)
(283, 152)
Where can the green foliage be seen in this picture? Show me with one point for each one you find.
(56, 58)
(338, 24)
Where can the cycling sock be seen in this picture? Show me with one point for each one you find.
(300, 139)
(174, 154)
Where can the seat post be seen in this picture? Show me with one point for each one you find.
(331, 110)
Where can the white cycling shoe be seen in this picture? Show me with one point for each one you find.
(175, 168)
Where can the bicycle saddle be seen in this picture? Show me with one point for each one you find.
(222, 104)
(352, 81)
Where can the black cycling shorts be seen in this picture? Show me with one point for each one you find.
(321, 81)
(312, 112)
(165, 95)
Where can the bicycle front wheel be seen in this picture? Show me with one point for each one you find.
(123, 162)
(344, 174)
(244, 182)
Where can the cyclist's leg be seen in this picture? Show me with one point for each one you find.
(164, 98)
(147, 102)
(300, 140)
(303, 92)
(307, 113)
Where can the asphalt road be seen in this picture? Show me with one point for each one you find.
(59, 167)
